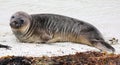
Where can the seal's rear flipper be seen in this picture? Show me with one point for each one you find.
(103, 46)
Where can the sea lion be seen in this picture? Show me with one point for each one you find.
(51, 28)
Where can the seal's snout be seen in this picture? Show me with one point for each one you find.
(12, 24)
(17, 24)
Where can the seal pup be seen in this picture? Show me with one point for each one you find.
(51, 28)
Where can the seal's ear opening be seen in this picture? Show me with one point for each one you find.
(103, 46)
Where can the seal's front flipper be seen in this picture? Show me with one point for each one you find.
(4, 46)
(103, 46)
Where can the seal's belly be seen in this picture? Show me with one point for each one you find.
(69, 37)
(32, 39)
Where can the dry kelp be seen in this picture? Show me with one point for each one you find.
(82, 58)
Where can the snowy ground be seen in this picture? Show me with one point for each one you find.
(104, 14)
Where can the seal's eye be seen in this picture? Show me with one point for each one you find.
(12, 17)
(21, 21)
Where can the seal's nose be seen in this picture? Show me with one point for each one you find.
(15, 24)
(12, 24)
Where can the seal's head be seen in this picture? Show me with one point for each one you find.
(20, 21)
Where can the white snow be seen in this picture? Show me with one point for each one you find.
(104, 14)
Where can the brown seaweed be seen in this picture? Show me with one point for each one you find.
(82, 58)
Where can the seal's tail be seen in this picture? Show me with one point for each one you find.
(103, 46)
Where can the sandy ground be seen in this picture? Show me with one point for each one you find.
(104, 14)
